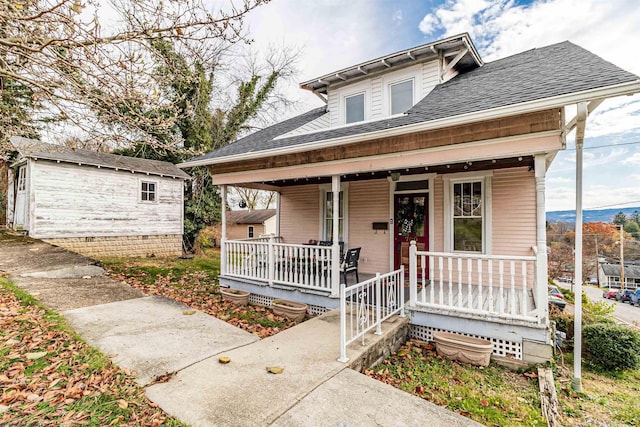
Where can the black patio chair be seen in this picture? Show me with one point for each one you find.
(350, 263)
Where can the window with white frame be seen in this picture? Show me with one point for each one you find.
(354, 108)
(250, 231)
(468, 216)
(401, 96)
(328, 216)
(148, 191)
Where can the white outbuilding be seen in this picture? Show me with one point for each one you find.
(95, 203)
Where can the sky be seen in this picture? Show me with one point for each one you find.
(333, 34)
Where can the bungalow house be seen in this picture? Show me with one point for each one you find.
(248, 224)
(610, 276)
(433, 163)
(95, 203)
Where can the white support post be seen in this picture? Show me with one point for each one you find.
(576, 381)
(378, 306)
(542, 303)
(401, 284)
(335, 247)
(343, 325)
(223, 237)
(271, 260)
(413, 274)
(278, 214)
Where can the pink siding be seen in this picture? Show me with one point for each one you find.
(300, 213)
(513, 211)
(438, 214)
(368, 203)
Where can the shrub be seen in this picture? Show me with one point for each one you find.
(611, 347)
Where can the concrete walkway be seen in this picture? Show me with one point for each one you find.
(155, 335)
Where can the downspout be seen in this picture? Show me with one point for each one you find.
(581, 120)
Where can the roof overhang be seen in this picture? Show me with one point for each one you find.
(509, 110)
(459, 46)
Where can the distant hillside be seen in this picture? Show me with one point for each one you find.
(602, 215)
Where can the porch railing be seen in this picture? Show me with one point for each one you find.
(478, 284)
(301, 266)
(367, 304)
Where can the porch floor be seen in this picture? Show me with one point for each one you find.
(458, 297)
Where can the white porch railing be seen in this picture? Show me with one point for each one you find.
(262, 259)
(367, 304)
(477, 284)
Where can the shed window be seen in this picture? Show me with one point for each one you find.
(148, 191)
(401, 96)
(250, 231)
(354, 108)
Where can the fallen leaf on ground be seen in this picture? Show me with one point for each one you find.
(275, 369)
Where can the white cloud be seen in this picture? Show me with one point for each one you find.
(633, 160)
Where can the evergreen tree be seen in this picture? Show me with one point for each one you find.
(620, 218)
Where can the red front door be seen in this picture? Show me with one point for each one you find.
(411, 223)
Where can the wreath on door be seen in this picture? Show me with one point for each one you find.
(410, 217)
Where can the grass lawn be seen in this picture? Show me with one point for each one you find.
(49, 376)
(194, 282)
(496, 396)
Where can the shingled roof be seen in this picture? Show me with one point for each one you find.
(35, 149)
(534, 75)
(613, 270)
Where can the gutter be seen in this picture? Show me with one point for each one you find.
(628, 88)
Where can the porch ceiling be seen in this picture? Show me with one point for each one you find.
(474, 166)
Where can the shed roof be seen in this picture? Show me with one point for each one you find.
(630, 271)
(35, 149)
(535, 75)
(255, 216)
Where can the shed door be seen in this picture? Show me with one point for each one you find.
(20, 212)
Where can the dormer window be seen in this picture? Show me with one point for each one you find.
(401, 95)
(354, 108)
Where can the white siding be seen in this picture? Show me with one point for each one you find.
(320, 123)
(85, 201)
(376, 89)
(333, 104)
(429, 77)
(377, 109)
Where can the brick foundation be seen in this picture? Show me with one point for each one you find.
(165, 245)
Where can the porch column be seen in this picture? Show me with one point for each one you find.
(223, 231)
(335, 248)
(278, 214)
(541, 241)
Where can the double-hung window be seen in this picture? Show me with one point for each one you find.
(250, 231)
(329, 216)
(401, 96)
(148, 191)
(468, 214)
(354, 108)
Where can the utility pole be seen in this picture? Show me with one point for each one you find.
(597, 262)
(621, 256)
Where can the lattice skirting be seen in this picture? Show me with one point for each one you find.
(267, 301)
(501, 347)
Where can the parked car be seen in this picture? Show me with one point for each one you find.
(609, 293)
(635, 298)
(558, 302)
(553, 290)
(624, 295)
